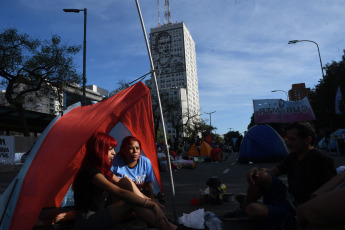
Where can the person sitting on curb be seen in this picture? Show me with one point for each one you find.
(326, 209)
(307, 169)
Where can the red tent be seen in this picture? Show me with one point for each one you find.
(56, 157)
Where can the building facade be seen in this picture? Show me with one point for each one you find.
(174, 59)
(53, 103)
(298, 92)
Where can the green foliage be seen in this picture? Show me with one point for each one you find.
(30, 67)
(160, 136)
(231, 134)
(322, 97)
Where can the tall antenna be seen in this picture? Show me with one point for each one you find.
(167, 17)
(159, 18)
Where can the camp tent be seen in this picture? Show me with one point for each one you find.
(331, 144)
(262, 144)
(205, 150)
(56, 157)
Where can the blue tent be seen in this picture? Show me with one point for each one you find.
(331, 144)
(262, 144)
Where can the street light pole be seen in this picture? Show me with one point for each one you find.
(84, 50)
(211, 117)
(318, 50)
(287, 96)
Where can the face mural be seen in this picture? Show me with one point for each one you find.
(166, 59)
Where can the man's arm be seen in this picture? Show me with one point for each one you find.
(330, 185)
(255, 173)
(115, 179)
(326, 210)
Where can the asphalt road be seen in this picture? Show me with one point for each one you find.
(188, 183)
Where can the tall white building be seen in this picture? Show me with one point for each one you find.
(174, 58)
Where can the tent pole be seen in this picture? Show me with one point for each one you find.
(160, 110)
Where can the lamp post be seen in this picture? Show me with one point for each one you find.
(318, 50)
(287, 96)
(84, 50)
(211, 116)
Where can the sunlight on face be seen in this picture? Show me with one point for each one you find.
(111, 154)
(132, 152)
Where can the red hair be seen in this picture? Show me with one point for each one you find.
(97, 153)
(125, 143)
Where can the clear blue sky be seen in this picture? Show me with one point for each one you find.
(241, 45)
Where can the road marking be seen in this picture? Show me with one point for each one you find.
(226, 171)
(233, 163)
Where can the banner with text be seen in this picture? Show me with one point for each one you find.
(7, 152)
(280, 111)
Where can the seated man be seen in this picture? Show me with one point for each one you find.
(307, 169)
(326, 209)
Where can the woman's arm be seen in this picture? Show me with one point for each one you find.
(101, 182)
(130, 197)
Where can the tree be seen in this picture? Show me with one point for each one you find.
(194, 128)
(164, 98)
(30, 67)
(228, 137)
(252, 122)
(178, 120)
(322, 97)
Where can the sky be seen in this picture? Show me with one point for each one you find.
(242, 48)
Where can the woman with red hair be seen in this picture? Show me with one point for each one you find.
(129, 163)
(99, 203)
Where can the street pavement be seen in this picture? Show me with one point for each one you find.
(189, 182)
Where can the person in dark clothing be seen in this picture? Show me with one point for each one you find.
(307, 169)
(99, 203)
(326, 209)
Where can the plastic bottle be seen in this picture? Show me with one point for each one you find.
(212, 222)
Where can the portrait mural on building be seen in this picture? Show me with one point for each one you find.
(165, 59)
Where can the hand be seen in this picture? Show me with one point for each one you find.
(253, 173)
(158, 203)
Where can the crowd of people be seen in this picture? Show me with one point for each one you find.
(111, 188)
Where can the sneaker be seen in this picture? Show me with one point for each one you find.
(237, 214)
(241, 199)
